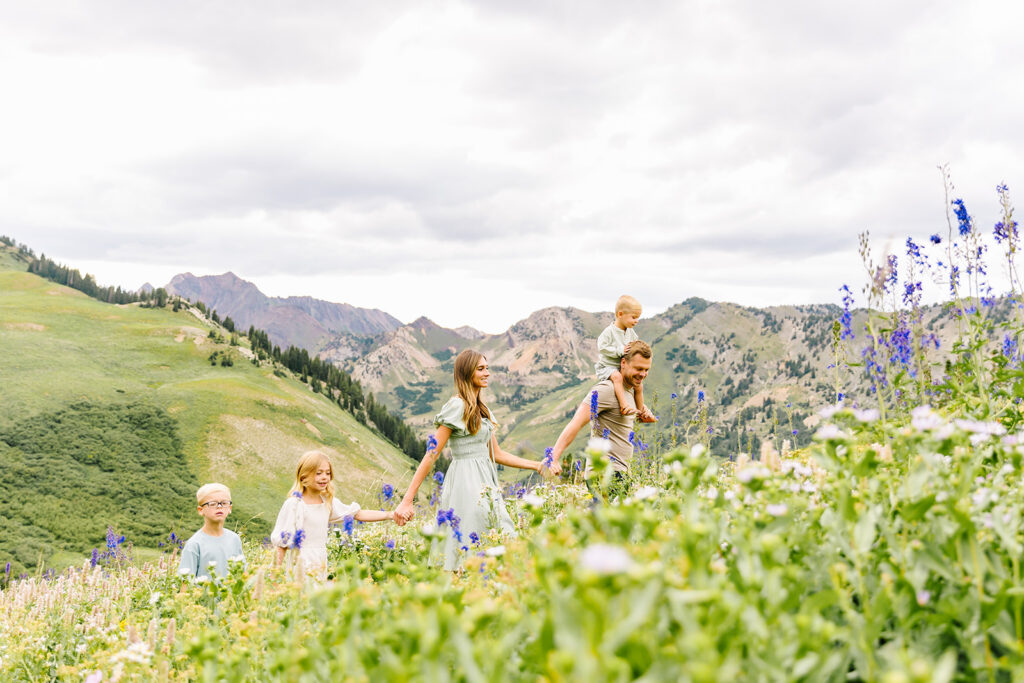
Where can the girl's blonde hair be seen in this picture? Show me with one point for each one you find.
(306, 469)
(475, 408)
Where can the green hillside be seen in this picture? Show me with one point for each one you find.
(70, 362)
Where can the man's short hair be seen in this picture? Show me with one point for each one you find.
(627, 303)
(207, 490)
(638, 348)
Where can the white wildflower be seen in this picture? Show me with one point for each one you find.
(729, 494)
(645, 492)
(154, 598)
(598, 446)
(923, 418)
(1007, 468)
(776, 509)
(496, 551)
(975, 427)
(827, 432)
(828, 411)
(136, 652)
(601, 558)
(236, 558)
(533, 500)
(923, 597)
(697, 450)
(981, 497)
(429, 529)
(869, 415)
(751, 472)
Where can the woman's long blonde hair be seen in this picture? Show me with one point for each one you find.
(475, 408)
(308, 465)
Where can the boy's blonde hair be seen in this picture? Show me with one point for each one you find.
(308, 464)
(207, 490)
(627, 304)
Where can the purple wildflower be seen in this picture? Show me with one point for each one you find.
(963, 218)
(348, 524)
(936, 239)
(387, 490)
(300, 536)
(448, 517)
(390, 545)
(431, 444)
(439, 477)
(846, 318)
(1010, 348)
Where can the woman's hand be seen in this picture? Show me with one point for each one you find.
(403, 513)
(555, 467)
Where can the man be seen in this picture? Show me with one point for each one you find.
(634, 366)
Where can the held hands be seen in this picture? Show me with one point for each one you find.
(403, 513)
(550, 469)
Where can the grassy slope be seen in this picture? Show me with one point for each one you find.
(241, 425)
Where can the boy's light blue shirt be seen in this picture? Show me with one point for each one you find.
(202, 549)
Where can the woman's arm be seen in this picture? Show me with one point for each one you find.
(504, 458)
(403, 513)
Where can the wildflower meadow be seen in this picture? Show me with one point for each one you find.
(889, 549)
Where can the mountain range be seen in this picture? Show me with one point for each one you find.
(763, 371)
(301, 321)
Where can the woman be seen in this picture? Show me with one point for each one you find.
(471, 484)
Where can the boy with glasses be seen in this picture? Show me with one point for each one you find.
(213, 544)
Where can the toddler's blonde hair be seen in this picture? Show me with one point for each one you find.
(307, 467)
(207, 490)
(627, 304)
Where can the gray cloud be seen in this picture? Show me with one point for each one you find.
(709, 146)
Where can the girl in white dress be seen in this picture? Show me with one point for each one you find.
(307, 514)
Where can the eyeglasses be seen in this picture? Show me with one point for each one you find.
(218, 504)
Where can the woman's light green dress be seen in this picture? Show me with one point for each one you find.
(470, 487)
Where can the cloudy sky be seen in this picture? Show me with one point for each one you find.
(474, 162)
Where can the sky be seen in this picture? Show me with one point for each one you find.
(477, 161)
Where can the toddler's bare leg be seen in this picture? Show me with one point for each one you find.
(644, 414)
(620, 393)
